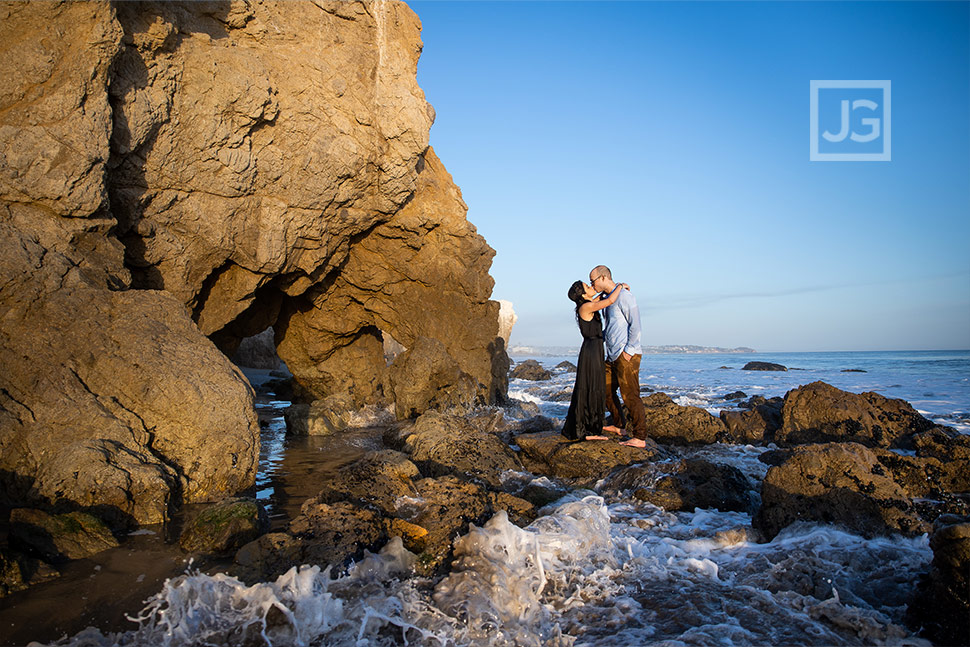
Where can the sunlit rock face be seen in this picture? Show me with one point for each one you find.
(176, 177)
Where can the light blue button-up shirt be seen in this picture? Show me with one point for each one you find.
(621, 331)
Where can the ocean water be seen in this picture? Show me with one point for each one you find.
(936, 383)
(599, 567)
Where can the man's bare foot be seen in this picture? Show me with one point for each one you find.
(596, 438)
(635, 442)
(613, 430)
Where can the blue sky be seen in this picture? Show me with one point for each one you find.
(670, 140)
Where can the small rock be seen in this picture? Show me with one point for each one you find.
(671, 423)
(736, 395)
(763, 366)
(530, 369)
(18, 571)
(73, 535)
(566, 366)
(319, 418)
(224, 527)
(853, 370)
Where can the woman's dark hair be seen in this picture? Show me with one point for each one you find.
(575, 294)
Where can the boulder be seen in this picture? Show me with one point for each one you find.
(734, 395)
(671, 423)
(224, 527)
(836, 483)
(756, 425)
(687, 484)
(940, 609)
(426, 377)
(319, 418)
(566, 367)
(326, 216)
(18, 571)
(819, 412)
(72, 535)
(763, 366)
(532, 370)
(588, 461)
(258, 351)
(442, 444)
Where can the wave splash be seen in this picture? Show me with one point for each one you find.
(586, 573)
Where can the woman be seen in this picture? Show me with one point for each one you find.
(584, 420)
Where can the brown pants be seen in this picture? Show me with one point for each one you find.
(626, 374)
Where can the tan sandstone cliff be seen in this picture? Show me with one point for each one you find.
(175, 177)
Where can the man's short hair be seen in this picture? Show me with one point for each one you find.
(602, 270)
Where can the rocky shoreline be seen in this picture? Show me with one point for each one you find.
(868, 464)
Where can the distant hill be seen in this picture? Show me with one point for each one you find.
(556, 351)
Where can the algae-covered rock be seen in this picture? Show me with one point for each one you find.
(72, 535)
(224, 527)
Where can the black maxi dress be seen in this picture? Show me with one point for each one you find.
(585, 415)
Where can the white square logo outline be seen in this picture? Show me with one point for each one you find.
(885, 155)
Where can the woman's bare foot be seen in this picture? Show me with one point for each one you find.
(596, 438)
(613, 430)
(635, 442)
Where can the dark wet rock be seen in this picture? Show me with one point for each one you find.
(378, 479)
(687, 484)
(519, 409)
(441, 444)
(530, 369)
(444, 507)
(282, 387)
(268, 557)
(756, 425)
(335, 533)
(854, 370)
(541, 492)
(763, 366)
(19, 571)
(224, 527)
(940, 610)
(521, 511)
(426, 377)
(836, 483)
(566, 366)
(671, 423)
(552, 454)
(736, 395)
(724, 367)
(819, 412)
(323, 533)
(534, 424)
(565, 395)
(72, 535)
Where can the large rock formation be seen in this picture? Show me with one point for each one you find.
(176, 177)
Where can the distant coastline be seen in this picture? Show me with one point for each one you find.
(556, 351)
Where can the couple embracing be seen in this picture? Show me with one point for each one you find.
(600, 372)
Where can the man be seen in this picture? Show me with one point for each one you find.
(621, 334)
